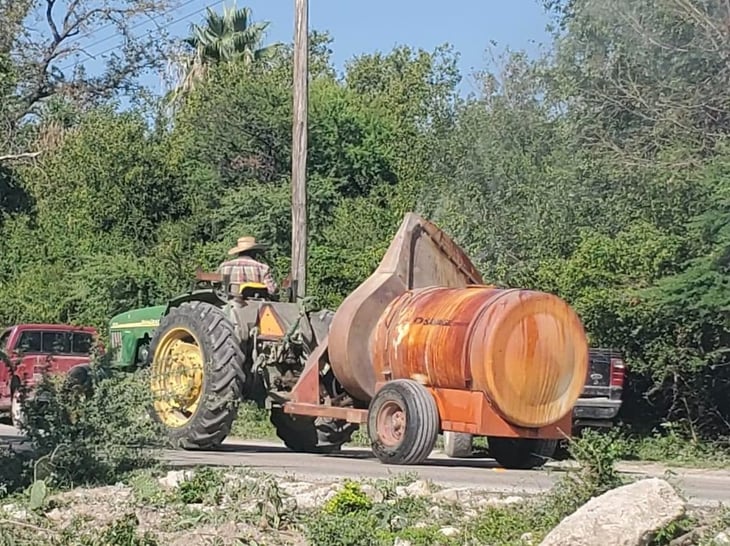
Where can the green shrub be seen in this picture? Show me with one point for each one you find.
(93, 430)
(204, 486)
(350, 499)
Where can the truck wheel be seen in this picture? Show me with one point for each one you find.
(197, 377)
(17, 415)
(311, 435)
(403, 422)
(457, 444)
(521, 453)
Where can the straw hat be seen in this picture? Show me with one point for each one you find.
(246, 243)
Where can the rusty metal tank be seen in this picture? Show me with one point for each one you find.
(526, 351)
(419, 255)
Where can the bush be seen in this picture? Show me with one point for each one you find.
(121, 532)
(92, 429)
(204, 486)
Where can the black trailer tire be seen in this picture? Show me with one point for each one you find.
(457, 444)
(309, 434)
(403, 423)
(224, 382)
(521, 453)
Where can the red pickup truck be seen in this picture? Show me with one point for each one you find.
(34, 349)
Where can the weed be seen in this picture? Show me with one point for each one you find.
(673, 444)
(205, 486)
(270, 505)
(350, 499)
(387, 486)
(673, 530)
(252, 422)
(123, 532)
(91, 433)
(147, 490)
(16, 470)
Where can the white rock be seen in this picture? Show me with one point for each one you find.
(449, 531)
(329, 495)
(401, 542)
(723, 537)
(15, 511)
(373, 493)
(625, 516)
(419, 488)
(174, 478)
(453, 495)
(55, 515)
(498, 501)
(309, 500)
(526, 539)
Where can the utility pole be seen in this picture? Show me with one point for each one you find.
(299, 150)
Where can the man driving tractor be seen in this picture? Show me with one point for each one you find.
(245, 267)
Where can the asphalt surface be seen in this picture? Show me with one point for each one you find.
(700, 487)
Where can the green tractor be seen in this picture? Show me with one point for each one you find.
(222, 343)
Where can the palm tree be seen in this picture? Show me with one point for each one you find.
(221, 38)
(231, 36)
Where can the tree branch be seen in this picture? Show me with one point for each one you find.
(51, 23)
(22, 155)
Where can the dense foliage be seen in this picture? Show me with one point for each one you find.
(600, 171)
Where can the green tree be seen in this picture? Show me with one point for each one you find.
(230, 37)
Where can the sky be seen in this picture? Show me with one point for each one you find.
(379, 25)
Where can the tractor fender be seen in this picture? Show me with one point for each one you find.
(208, 296)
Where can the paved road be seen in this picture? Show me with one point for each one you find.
(701, 487)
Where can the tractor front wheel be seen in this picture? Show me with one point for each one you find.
(197, 376)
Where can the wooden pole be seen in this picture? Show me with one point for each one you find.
(299, 149)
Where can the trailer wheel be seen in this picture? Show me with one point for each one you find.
(403, 423)
(311, 435)
(457, 444)
(521, 453)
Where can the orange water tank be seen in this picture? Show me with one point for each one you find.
(526, 351)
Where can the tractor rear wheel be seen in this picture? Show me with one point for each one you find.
(403, 422)
(457, 444)
(197, 376)
(521, 453)
(311, 434)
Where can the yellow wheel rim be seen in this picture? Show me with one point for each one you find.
(177, 377)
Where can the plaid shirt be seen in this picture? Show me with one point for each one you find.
(246, 269)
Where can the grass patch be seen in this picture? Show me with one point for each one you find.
(672, 445)
(252, 423)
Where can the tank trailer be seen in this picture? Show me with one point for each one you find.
(423, 346)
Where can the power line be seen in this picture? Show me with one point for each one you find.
(75, 63)
(101, 41)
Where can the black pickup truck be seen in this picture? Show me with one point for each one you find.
(600, 401)
(597, 407)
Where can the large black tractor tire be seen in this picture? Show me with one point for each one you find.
(224, 381)
(309, 434)
(521, 453)
(403, 423)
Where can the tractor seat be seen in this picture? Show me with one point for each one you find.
(251, 291)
